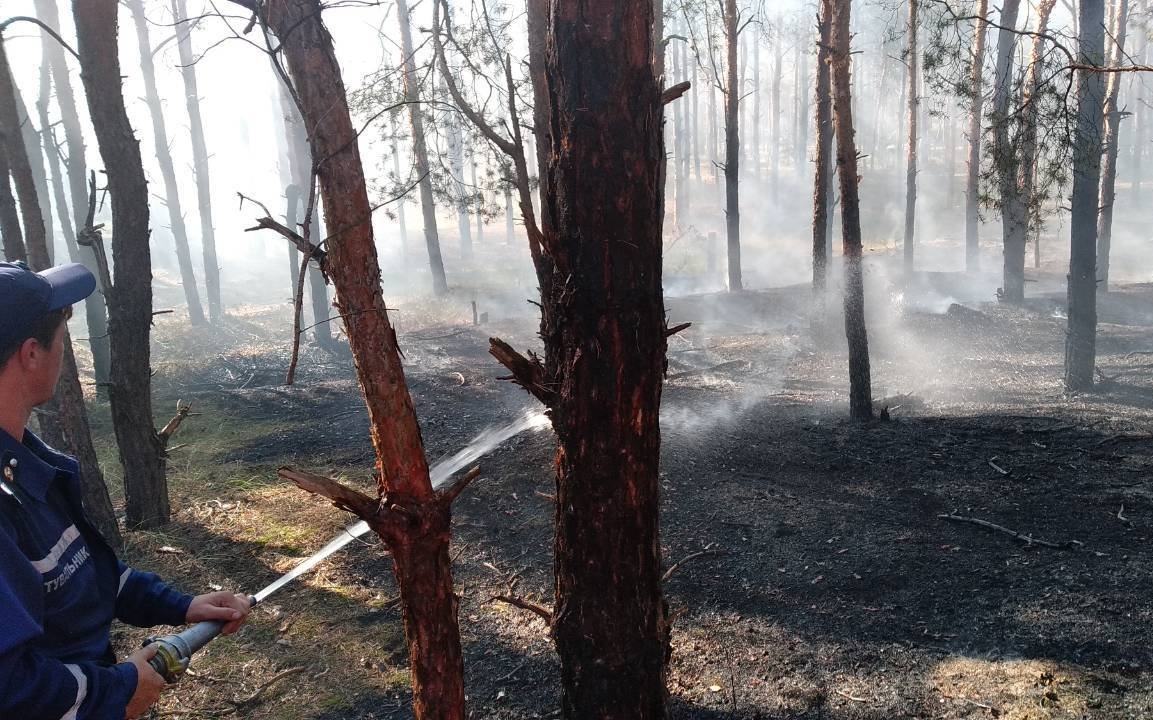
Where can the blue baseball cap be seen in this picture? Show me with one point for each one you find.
(27, 296)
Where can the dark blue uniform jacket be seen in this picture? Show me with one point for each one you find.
(60, 587)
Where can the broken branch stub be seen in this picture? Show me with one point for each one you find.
(528, 372)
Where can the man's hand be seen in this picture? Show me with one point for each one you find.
(149, 683)
(223, 606)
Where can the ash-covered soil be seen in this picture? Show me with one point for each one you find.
(814, 575)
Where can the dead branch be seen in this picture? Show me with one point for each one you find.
(343, 497)
(309, 250)
(669, 332)
(1000, 470)
(182, 410)
(528, 372)
(448, 495)
(691, 556)
(1027, 539)
(297, 312)
(267, 684)
(90, 236)
(526, 605)
(674, 92)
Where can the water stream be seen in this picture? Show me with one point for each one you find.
(439, 473)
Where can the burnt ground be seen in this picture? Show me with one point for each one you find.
(818, 578)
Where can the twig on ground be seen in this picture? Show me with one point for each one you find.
(267, 684)
(1027, 539)
(848, 696)
(709, 550)
(515, 670)
(1121, 513)
(997, 467)
(523, 604)
(702, 371)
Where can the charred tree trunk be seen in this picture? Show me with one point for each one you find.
(411, 518)
(824, 147)
(420, 151)
(860, 383)
(167, 168)
(49, 147)
(733, 147)
(973, 176)
(912, 139)
(130, 300)
(95, 310)
(1113, 117)
(1014, 209)
(1081, 336)
(604, 333)
(199, 163)
(10, 230)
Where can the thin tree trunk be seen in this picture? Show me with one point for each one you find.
(1113, 117)
(455, 139)
(973, 177)
(130, 298)
(678, 142)
(822, 161)
(695, 132)
(300, 172)
(13, 235)
(415, 521)
(860, 383)
(401, 220)
(1081, 335)
(49, 147)
(420, 151)
(802, 92)
(95, 309)
(778, 71)
(31, 141)
(1028, 125)
(199, 163)
(1014, 208)
(912, 138)
(684, 145)
(1141, 112)
(167, 168)
(732, 147)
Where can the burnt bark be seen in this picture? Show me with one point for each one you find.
(604, 332)
(10, 231)
(64, 421)
(199, 162)
(167, 168)
(95, 309)
(1113, 117)
(733, 147)
(823, 154)
(860, 382)
(31, 141)
(973, 174)
(1081, 335)
(130, 298)
(420, 151)
(409, 516)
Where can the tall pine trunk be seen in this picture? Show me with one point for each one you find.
(912, 138)
(823, 158)
(130, 297)
(860, 383)
(732, 147)
(1081, 333)
(167, 168)
(414, 520)
(1014, 208)
(95, 309)
(973, 174)
(1028, 123)
(420, 150)
(199, 162)
(1113, 116)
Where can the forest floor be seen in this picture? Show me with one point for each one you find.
(830, 585)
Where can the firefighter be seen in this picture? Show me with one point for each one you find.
(61, 585)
